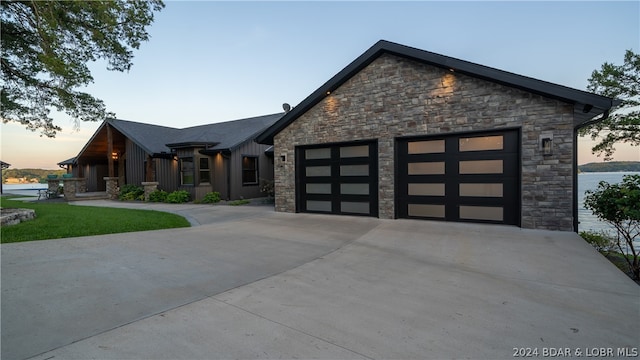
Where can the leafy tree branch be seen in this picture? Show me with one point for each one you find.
(46, 46)
(623, 125)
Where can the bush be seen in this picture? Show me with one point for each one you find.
(158, 196)
(211, 198)
(131, 192)
(267, 187)
(619, 205)
(178, 197)
(601, 241)
(239, 202)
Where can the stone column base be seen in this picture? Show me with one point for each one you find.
(149, 187)
(112, 187)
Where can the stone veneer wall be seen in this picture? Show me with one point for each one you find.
(395, 97)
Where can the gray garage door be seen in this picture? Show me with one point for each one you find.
(471, 177)
(338, 178)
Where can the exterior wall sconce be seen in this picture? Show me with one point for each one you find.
(114, 155)
(547, 146)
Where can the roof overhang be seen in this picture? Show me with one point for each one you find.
(586, 105)
(193, 144)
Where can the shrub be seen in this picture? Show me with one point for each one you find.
(178, 197)
(211, 198)
(601, 241)
(158, 196)
(131, 192)
(239, 202)
(267, 187)
(619, 205)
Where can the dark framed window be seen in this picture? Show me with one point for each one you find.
(249, 170)
(186, 171)
(204, 171)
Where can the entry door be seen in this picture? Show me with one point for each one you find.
(472, 178)
(338, 178)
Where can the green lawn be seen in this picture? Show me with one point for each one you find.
(56, 220)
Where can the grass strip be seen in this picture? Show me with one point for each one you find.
(61, 220)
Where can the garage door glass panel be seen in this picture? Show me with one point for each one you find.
(426, 168)
(323, 153)
(426, 147)
(483, 143)
(318, 171)
(318, 188)
(426, 189)
(354, 207)
(354, 189)
(316, 205)
(354, 151)
(354, 170)
(481, 213)
(484, 190)
(426, 210)
(481, 167)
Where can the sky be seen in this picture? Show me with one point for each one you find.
(213, 61)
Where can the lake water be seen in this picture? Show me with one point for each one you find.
(586, 181)
(23, 189)
(589, 181)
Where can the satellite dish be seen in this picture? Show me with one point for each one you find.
(286, 107)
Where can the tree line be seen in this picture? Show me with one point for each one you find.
(610, 166)
(40, 174)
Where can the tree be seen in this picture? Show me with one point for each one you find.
(623, 124)
(619, 205)
(46, 46)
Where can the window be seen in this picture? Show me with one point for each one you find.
(205, 172)
(186, 171)
(249, 170)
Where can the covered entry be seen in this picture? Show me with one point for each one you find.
(338, 178)
(464, 177)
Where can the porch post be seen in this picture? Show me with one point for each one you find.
(149, 170)
(110, 151)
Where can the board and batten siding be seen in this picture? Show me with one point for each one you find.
(265, 170)
(136, 157)
(166, 174)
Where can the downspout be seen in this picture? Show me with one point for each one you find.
(575, 165)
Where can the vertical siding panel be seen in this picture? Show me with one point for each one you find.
(167, 174)
(265, 170)
(219, 175)
(135, 163)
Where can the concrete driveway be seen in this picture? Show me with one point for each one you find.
(251, 283)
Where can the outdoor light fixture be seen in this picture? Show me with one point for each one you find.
(114, 155)
(547, 146)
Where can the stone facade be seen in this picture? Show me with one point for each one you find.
(395, 97)
(112, 187)
(149, 187)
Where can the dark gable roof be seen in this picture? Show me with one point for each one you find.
(151, 138)
(156, 139)
(71, 161)
(224, 135)
(586, 105)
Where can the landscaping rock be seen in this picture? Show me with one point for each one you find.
(15, 216)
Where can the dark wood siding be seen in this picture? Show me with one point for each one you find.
(265, 170)
(219, 175)
(166, 174)
(135, 165)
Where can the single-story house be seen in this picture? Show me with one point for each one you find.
(406, 133)
(220, 157)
